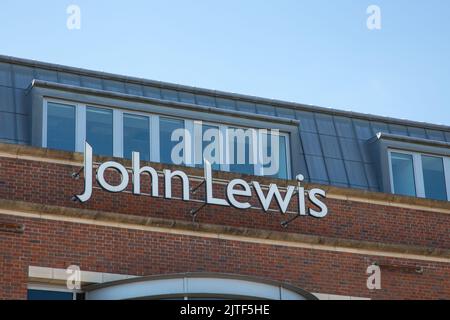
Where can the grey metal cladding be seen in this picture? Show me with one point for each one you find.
(265, 109)
(302, 166)
(379, 127)
(205, 100)
(285, 113)
(115, 86)
(307, 121)
(171, 95)
(5, 74)
(365, 152)
(316, 169)
(371, 175)
(134, 89)
(330, 146)
(246, 107)
(350, 149)
(46, 75)
(417, 132)
(8, 126)
(344, 127)
(228, 104)
(21, 103)
(363, 129)
(325, 124)
(311, 144)
(91, 82)
(435, 135)
(356, 174)
(152, 92)
(398, 129)
(186, 97)
(22, 76)
(7, 99)
(336, 171)
(447, 136)
(70, 79)
(23, 126)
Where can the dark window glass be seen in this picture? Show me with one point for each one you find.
(434, 178)
(61, 127)
(403, 174)
(48, 295)
(99, 130)
(136, 136)
(166, 127)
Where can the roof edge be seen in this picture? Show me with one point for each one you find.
(218, 93)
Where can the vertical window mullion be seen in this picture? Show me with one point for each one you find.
(44, 124)
(117, 133)
(154, 134)
(189, 143)
(224, 148)
(418, 175)
(80, 131)
(447, 176)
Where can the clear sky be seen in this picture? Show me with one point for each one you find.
(317, 52)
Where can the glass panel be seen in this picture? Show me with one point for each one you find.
(99, 130)
(241, 147)
(48, 295)
(166, 127)
(434, 178)
(211, 140)
(281, 158)
(403, 174)
(136, 136)
(61, 127)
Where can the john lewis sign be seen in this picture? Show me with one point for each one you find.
(234, 188)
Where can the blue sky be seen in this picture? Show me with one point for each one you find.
(317, 52)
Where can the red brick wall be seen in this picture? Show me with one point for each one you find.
(102, 249)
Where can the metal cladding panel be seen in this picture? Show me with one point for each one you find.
(344, 127)
(92, 83)
(325, 124)
(417, 132)
(5, 75)
(435, 135)
(152, 92)
(356, 174)
(8, 126)
(22, 76)
(311, 144)
(330, 147)
(186, 97)
(398, 129)
(285, 113)
(70, 79)
(363, 129)
(7, 99)
(336, 171)
(206, 100)
(46, 75)
(115, 86)
(265, 109)
(316, 169)
(134, 89)
(246, 107)
(170, 95)
(307, 122)
(379, 127)
(350, 149)
(227, 104)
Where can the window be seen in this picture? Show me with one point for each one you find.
(278, 165)
(403, 174)
(210, 146)
(166, 127)
(40, 294)
(99, 130)
(434, 178)
(136, 136)
(61, 127)
(113, 132)
(415, 174)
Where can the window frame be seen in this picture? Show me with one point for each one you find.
(418, 171)
(154, 139)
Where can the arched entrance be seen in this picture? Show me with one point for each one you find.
(196, 286)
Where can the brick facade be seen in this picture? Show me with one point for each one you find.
(398, 230)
